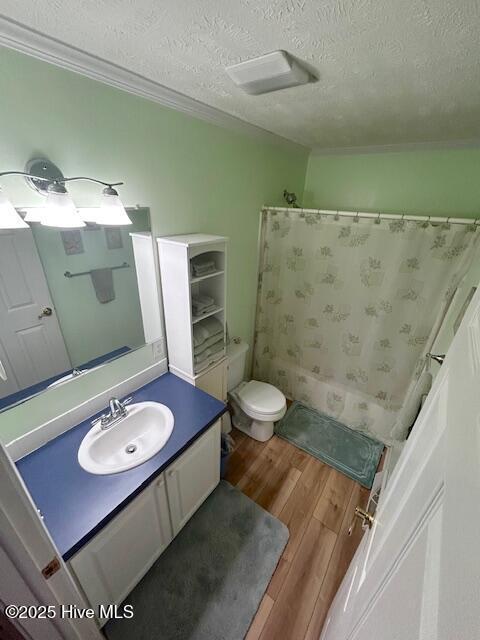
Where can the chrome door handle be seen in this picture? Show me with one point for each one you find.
(46, 311)
(438, 357)
(360, 514)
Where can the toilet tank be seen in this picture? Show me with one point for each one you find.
(236, 358)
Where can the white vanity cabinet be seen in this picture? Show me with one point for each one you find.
(192, 477)
(118, 557)
(115, 560)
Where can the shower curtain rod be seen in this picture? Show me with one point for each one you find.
(378, 216)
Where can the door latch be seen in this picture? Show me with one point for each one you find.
(51, 568)
(360, 514)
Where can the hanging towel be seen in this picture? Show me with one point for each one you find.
(102, 280)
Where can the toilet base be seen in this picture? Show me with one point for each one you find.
(257, 430)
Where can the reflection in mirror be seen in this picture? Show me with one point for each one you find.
(69, 302)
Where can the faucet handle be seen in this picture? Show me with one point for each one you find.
(102, 419)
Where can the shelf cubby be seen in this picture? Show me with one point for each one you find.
(177, 255)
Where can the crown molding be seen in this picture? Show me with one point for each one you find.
(38, 45)
(439, 145)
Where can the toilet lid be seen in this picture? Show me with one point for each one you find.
(262, 397)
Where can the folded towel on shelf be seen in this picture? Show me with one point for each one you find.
(210, 351)
(204, 311)
(202, 267)
(202, 304)
(201, 301)
(204, 271)
(205, 329)
(208, 343)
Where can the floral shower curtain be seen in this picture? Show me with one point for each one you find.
(347, 308)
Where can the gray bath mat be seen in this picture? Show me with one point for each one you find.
(209, 582)
(351, 452)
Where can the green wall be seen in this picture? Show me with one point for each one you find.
(417, 182)
(194, 176)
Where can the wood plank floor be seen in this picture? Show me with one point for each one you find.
(316, 503)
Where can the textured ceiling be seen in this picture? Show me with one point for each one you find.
(389, 71)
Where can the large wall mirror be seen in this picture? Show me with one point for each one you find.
(70, 302)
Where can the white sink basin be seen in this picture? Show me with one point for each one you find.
(128, 442)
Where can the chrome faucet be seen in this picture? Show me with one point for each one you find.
(117, 410)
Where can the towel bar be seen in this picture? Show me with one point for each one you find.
(68, 274)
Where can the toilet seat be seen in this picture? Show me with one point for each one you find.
(261, 401)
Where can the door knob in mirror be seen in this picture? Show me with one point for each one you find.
(46, 311)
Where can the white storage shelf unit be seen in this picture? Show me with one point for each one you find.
(180, 282)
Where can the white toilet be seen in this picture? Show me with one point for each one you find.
(256, 405)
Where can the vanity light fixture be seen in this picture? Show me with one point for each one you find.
(112, 211)
(32, 214)
(9, 218)
(59, 209)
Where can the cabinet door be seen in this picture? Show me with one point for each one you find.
(214, 381)
(192, 477)
(117, 558)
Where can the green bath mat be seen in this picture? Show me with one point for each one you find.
(210, 581)
(351, 452)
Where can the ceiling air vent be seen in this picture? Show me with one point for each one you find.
(273, 71)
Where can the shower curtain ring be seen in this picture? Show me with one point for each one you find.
(336, 216)
(356, 217)
(377, 221)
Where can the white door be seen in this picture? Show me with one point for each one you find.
(32, 348)
(26, 552)
(192, 477)
(416, 574)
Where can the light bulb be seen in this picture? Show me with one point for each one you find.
(60, 210)
(33, 214)
(112, 212)
(9, 218)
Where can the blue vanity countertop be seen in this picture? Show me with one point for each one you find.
(76, 504)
